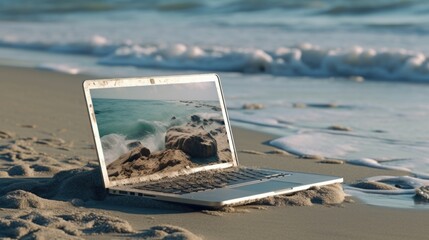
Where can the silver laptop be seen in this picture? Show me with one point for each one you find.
(169, 138)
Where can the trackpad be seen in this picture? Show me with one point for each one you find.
(267, 186)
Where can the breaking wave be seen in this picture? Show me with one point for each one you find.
(114, 145)
(302, 60)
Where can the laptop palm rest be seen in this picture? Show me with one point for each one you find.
(268, 186)
(222, 194)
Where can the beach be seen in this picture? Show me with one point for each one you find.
(45, 129)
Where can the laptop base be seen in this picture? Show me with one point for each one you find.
(237, 194)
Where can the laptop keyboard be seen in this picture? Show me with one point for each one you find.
(207, 180)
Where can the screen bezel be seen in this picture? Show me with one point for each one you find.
(88, 85)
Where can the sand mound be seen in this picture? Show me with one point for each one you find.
(95, 223)
(83, 183)
(30, 185)
(50, 225)
(228, 209)
(374, 185)
(6, 135)
(18, 150)
(20, 199)
(168, 232)
(20, 170)
(22, 229)
(325, 195)
(39, 168)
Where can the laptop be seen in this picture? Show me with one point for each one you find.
(169, 138)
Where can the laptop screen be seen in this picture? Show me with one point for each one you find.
(160, 128)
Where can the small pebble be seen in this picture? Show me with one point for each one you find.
(340, 128)
(253, 106)
(313, 156)
(331, 161)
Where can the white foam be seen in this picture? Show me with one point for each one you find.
(314, 143)
(387, 200)
(114, 145)
(411, 181)
(154, 142)
(402, 197)
(368, 162)
(209, 115)
(301, 60)
(356, 148)
(256, 120)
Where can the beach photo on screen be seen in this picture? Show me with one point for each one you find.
(155, 129)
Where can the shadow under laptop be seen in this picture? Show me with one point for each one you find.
(80, 188)
(140, 205)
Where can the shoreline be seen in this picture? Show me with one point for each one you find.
(48, 105)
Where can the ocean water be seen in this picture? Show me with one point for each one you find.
(360, 65)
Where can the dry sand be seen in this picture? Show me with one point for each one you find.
(44, 130)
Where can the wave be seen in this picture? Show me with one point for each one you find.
(401, 195)
(366, 7)
(367, 151)
(301, 60)
(151, 134)
(119, 139)
(32, 8)
(96, 45)
(114, 145)
(141, 129)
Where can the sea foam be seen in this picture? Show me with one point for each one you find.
(320, 144)
(114, 145)
(389, 191)
(301, 60)
(358, 150)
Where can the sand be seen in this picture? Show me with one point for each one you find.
(50, 186)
